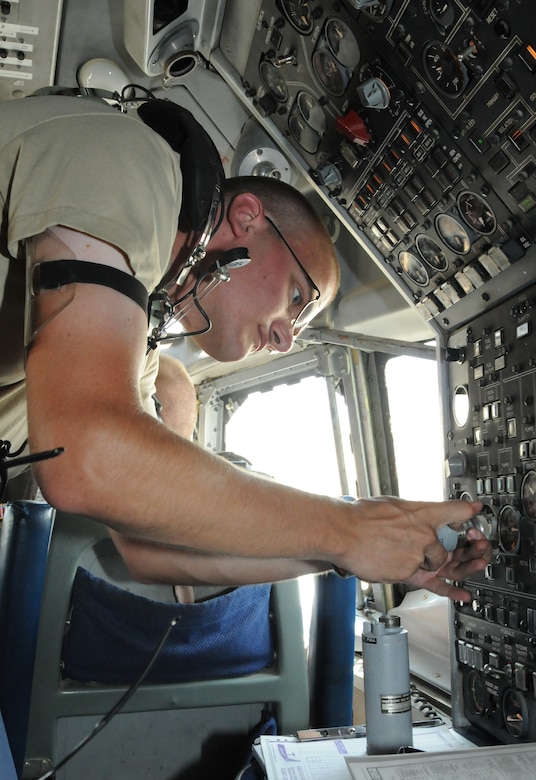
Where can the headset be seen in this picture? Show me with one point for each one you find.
(202, 207)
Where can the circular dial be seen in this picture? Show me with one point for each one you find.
(342, 43)
(444, 69)
(528, 494)
(303, 133)
(509, 530)
(453, 234)
(515, 713)
(442, 13)
(431, 252)
(273, 81)
(307, 122)
(376, 9)
(478, 695)
(413, 267)
(299, 15)
(331, 74)
(477, 213)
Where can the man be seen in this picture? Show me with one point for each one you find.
(79, 180)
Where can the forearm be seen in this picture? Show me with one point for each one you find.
(126, 469)
(152, 563)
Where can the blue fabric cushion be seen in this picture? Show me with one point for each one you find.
(113, 633)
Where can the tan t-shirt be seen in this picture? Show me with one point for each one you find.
(79, 163)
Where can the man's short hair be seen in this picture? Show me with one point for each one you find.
(291, 212)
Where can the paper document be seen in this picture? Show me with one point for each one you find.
(502, 762)
(285, 758)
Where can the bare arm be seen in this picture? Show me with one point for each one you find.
(126, 469)
(151, 563)
(176, 395)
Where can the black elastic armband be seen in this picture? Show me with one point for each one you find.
(55, 274)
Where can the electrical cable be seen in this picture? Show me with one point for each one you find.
(105, 720)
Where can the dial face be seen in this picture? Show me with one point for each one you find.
(331, 74)
(444, 69)
(375, 9)
(442, 13)
(453, 234)
(509, 530)
(477, 213)
(299, 15)
(307, 122)
(515, 712)
(528, 494)
(273, 81)
(478, 695)
(431, 252)
(414, 268)
(342, 43)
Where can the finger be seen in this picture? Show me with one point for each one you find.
(449, 512)
(435, 556)
(461, 570)
(441, 587)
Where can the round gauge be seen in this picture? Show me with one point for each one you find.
(476, 212)
(442, 12)
(342, 43)
(478, 695)
(444, 69)
(528, 494)
(305, 136)
(509, 530)
(375, 9)
(465, 496)
(331, 74)
(273, 81)
(431, 252)
(515, 712)
(413, 267)
(299, 15)
(307, 122)
(312, 112)
(453, 234)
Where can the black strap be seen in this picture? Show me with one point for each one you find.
(52, 275)
(200, 162)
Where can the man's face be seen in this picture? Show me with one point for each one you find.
(256, 309)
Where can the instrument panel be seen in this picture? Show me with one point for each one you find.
(492, 458)
(417, 118)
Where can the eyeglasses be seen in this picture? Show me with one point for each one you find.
(307, 312)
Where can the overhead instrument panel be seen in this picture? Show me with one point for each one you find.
(416, 117)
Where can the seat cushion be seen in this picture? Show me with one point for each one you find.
(113, 633)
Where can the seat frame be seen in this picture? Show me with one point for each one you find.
(283, 687)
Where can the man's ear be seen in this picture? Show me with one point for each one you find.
(245, 213)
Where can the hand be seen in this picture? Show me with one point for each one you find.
(391, 539)
(460, 564)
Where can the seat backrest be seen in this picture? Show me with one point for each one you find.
(24, 543)
(179, 730)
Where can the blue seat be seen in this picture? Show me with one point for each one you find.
(166, 730)
(24, 544)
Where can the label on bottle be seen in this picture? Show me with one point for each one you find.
(394, 704)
